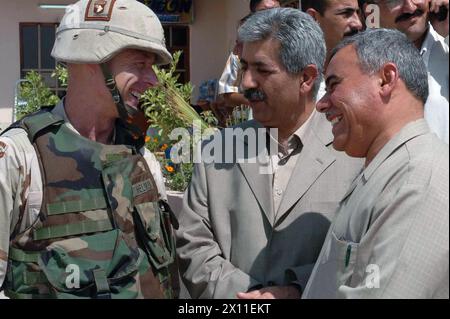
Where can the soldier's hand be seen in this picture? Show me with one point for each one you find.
(275, 292)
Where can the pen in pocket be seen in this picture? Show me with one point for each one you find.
(347, 255)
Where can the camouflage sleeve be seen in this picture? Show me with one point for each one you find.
(16, 153)
(9, 185)
(155, 169)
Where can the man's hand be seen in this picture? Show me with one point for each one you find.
(275, 292)
(441, 27)
(235, 99)
(435, 4)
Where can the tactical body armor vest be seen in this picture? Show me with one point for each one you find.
(102, 231)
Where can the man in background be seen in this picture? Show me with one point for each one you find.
(412, 17)
(229, 82)
(337, 19)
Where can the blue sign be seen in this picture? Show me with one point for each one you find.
(172, 11)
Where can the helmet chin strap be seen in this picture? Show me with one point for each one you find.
(132, 119)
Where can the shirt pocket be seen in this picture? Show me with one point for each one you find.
(344, 253)
(341, 255)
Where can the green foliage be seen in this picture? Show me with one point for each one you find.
(177, 176)
(238, 116)
(34, 94)
(210, 118)
(164, 114)
(156, 106)
(61, 74)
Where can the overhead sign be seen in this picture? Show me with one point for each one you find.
(172, 11)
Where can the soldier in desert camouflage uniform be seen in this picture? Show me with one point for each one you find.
(82, 203)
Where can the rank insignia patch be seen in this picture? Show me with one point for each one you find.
(3, 148)
(99, 10)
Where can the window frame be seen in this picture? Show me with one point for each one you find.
(58, 89)
(185, 49)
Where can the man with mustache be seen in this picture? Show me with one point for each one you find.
(229, 81)
(83, 211)
(337, 19)
(412, 18)
(251, 227)
(390, 237)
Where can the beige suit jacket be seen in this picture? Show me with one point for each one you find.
(229, 240)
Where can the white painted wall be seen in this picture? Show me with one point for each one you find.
(212, 36)
(11, 13)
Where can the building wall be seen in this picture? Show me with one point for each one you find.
(11, 14)
(212, 37)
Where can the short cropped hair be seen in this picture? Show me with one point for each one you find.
(376, 47)
(318, 5)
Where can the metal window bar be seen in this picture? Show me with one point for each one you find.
(16, 97)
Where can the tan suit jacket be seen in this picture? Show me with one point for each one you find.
(390, 236)
(229, 239)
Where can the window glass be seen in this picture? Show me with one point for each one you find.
(179, 36)
(36, 46)
(30, 47)
(47, 40)
(177, 39)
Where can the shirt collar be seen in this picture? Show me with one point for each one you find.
(61, 112)
(302, 130)
(407, 133)
(427, 44)
(295, 141)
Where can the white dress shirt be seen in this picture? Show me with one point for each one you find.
(434, 52)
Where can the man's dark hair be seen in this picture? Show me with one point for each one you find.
(253, 4)
(318, 5)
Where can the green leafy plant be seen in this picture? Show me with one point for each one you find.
(61, 74)
(177, 175)
(33, 94)
(159, 109)
(167, 108)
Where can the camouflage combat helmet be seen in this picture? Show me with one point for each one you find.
(94, 31)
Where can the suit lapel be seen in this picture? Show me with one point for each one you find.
(313, 160)
(259, 182)
(261, 186)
